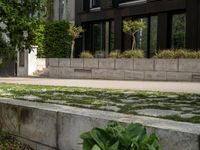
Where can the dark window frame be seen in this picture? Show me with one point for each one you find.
(95, 5)
(90, 46)
(124, 1)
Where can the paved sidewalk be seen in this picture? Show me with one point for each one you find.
(187, 87)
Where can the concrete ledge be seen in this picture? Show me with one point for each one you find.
(189, 65)
(124, 64)
(76, 63)
(53, 62)
(134, 75)
(179, 76)
(143, 64)
(91, 63)
(155, 75)
(41, 63)
(125, 69)
(106, 63)
(59, 127)
(64, 62)
(166, 65)
(107, 74)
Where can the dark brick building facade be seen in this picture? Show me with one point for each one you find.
(169, 24)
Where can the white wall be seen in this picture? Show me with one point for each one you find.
(30, 63)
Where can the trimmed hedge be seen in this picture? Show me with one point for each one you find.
(53, 39)
(57, 41)
(39, 39)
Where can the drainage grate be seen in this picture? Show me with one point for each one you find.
(83, 70)
(196, 77)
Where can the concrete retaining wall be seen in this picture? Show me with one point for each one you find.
(126, 69)
(42, 63)
(55, 127)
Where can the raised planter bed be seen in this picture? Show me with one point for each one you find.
(45, 126)
(127, 69)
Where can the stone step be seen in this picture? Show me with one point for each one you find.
(41, 73)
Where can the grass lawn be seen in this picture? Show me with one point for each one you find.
(173, 106)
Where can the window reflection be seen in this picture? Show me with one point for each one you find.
(100, 37)
(141, 36)
(178, 31)
(153, 35)
(146, 38)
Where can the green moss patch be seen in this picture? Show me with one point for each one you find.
(123, 101)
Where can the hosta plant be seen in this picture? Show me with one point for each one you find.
(117, 137)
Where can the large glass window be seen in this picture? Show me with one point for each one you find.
(112, 35)
(178, 31)
(94, 3)
(100, 37)
(62, 9)
(153, 35)
(141, 36)
(146, 38)
(98, 42)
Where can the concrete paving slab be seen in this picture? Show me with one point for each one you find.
(186, 87)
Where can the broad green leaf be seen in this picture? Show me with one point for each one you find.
(114, 146)
(95, 147)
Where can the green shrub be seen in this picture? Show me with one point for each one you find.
(194, 55)
(167, 54)
(116, 137)
(133, 54)
(57, 41)
(115, 54)
(86, 54)
(179, 53)
(39, 39)
(198, 54)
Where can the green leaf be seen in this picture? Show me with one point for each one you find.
(95, 147)
(114, 146)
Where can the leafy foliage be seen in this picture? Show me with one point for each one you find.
(75, 34)
(116, 137)
(57, 40)
(39, 39)
(18, 21)
(180, 53)
(86, 54)
(132, 27)
(115, 54)
(133, 54)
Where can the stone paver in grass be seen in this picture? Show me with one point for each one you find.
(187, 115)
(31, 98)
(174, 106)
(113, 108)
(157, 112)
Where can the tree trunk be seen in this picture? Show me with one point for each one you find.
(133, 42)
(72, 48)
